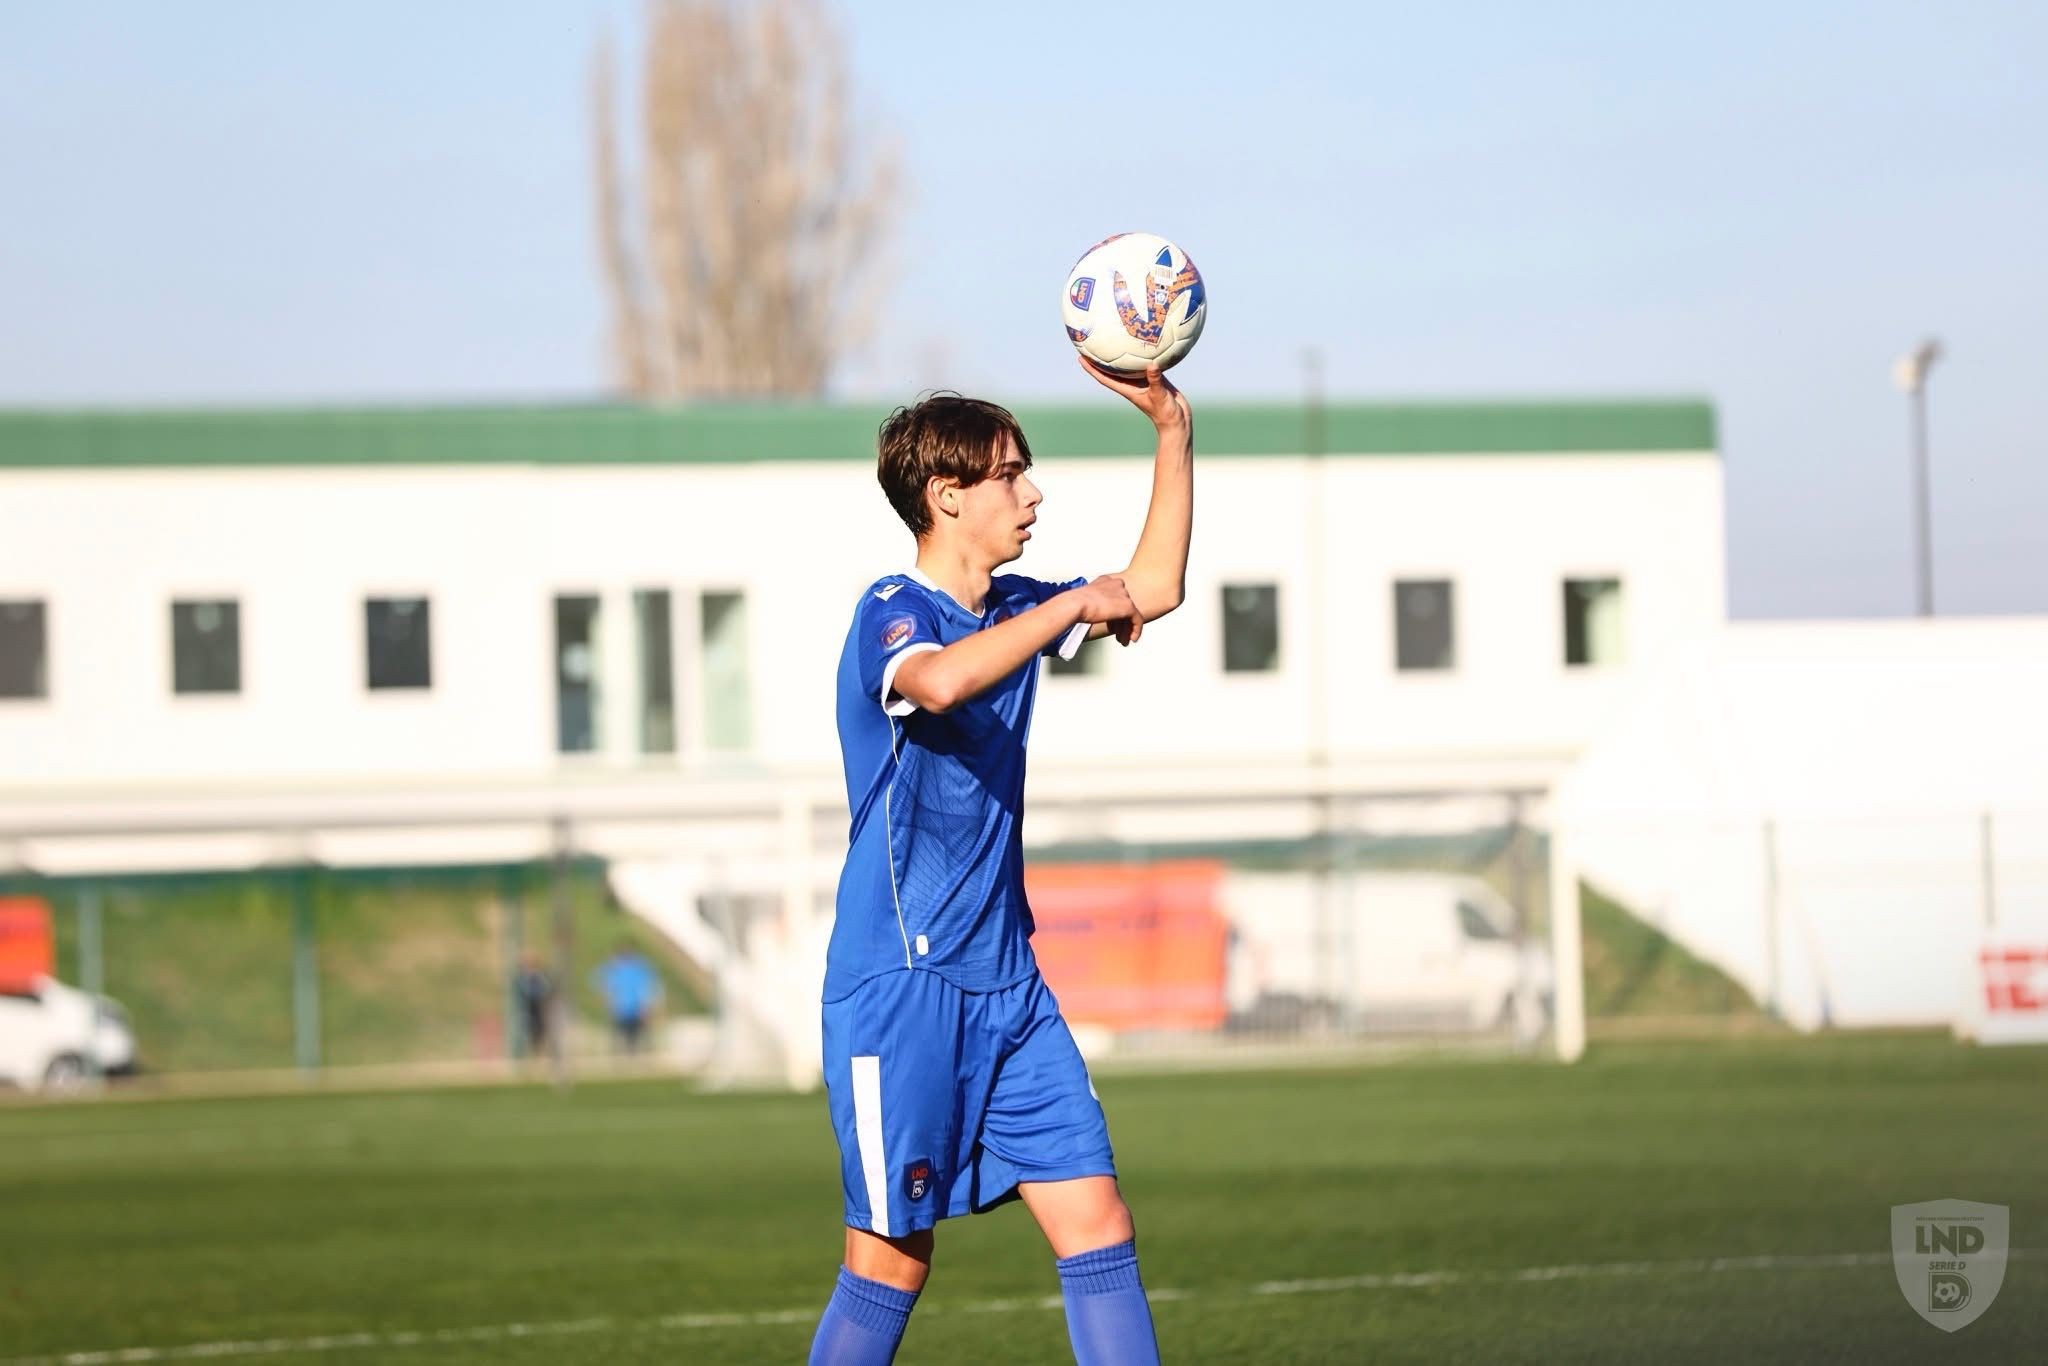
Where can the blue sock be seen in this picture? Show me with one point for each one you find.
(1108, 1321)
(863, 1322)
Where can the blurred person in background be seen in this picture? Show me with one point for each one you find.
(534, 990)
(632, 993)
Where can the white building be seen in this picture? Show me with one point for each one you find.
(1452, 595)
(429, 635)
(463, 635)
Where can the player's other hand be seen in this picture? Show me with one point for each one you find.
(1152, 393)
(1106, 601)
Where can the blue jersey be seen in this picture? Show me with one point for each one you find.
(934, 876)
(629, 985)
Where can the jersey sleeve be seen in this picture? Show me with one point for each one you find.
(887, 631)
(1066, 644)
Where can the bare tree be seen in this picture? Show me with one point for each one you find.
(757, 209)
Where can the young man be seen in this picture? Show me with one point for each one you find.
(954, 1083)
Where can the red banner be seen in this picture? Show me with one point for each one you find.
(28, 950)
(1132, 946)
(2011, 992)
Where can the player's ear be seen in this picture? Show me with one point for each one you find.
(943, 493)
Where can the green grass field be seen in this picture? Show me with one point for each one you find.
(1417, 1212)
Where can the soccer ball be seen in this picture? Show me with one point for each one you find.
(1134, 300)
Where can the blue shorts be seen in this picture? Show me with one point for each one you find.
(943, 1100)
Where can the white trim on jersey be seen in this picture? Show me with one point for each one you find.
(889, 816)
(867, 1136)
(902, 706)
(924, 580)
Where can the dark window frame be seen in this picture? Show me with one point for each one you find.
(1261, 654)
(1088, 662)
(1578, 642)
(194, 672)
(655, 671)
(391, 677)
(579, 703)
(27, 681)
(1418, 654)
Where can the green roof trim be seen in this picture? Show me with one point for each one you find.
(739, 433)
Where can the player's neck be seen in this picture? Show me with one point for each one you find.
(960, 577)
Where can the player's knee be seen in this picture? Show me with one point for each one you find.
(1104, 1226)
(1118, 1225)
(900, 1262)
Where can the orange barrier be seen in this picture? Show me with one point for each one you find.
(1132, 946)
(28, 947)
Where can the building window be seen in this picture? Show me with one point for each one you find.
(1086, 663)
(399, 648)
(728, 693)
(206, 646)
(1251, 628)
(24, 650)
(1425, 631)
(1592, 622)
(657, 671)
(576, 684)
(1477, 925)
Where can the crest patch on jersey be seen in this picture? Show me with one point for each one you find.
(917, 1178)
(898, 631)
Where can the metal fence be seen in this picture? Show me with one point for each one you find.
(318, 968)
(1333, 921)
(1172, 926)
(1845, 918)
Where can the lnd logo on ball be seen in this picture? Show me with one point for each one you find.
(1950, 1258)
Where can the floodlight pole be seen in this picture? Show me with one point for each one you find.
(1910, 373)
(305, 968)
(1315, 441)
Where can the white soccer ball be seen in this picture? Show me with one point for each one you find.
(1134, 300)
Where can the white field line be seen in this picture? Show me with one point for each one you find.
(780, 1318)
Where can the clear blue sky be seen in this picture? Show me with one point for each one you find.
(1762, 203)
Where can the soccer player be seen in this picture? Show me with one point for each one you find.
(953, 1082)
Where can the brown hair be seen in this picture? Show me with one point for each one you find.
(942, 435)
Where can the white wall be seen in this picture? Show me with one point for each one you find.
(491, 546)
(1835, 813)
(1506, 530)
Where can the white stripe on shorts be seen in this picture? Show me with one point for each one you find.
(867, 1133)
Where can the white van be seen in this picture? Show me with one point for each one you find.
(1391, 950)
(52, 1037)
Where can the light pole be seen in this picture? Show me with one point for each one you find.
(1910, 374)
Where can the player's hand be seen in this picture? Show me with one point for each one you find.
(1152, 393)
(1106, 601)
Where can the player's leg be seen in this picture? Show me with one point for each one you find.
(1109, 1321)
(1044, 1122)
(904, 1263)
(1080, 1215)
(870, 1306)
(888, 1073)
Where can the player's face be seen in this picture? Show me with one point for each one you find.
(997, 513)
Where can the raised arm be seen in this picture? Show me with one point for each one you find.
(939, 680)
(1157, 577)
